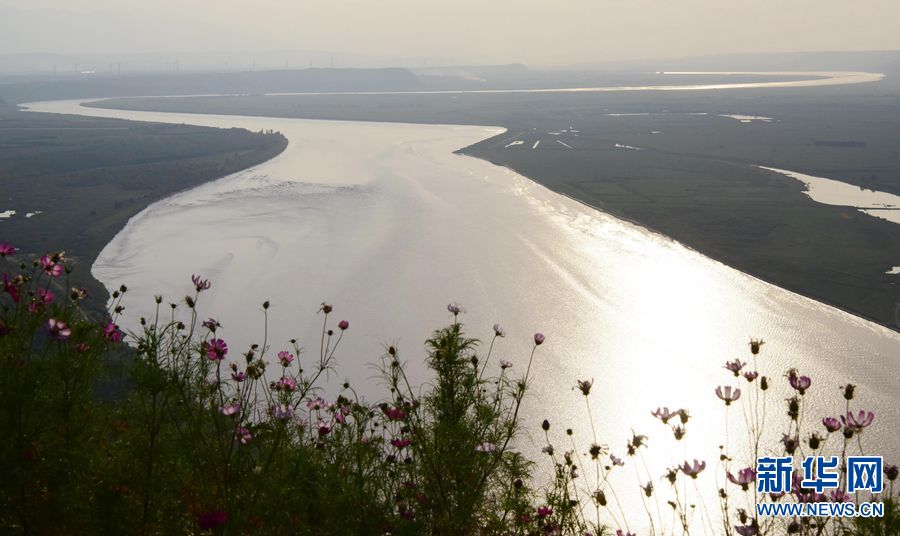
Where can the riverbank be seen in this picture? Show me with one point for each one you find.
(72, 183)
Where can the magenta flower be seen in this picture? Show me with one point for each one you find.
(692, 470)
(499, 331)
(11, 287)
(45, 296)
(286, 358)
(215, 349)
(51, 268)
(744, 478)
(455, 308)
(734, 366)
(620, 532)
(200, 284)
(212, 520)
(316, 403)
(238, 376)
(285, 383)
(343, 324)
(664, 414)
(485, 447)
(111, 332)
(831, 424)
(400, 443)
(58, 330)
(395, 414)
(6, 249)
(839, 496)
(544, 511)
(746, 530)
(538, 339)
(728, 394)
(324, 428)
(211, 324)
(799, 383)
(751, 375)
(858, 422)
(242, 435)
(231, 409)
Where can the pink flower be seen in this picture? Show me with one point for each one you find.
(343, 324)
(400, 443)
(728, 394)
(395, 414)
(58, 330)
(616, 460)
(744, 478)
(735, 366)
(215, 349)
(6, 249)
(212, 520)
(746, 530)
(324, 428)
(316, 403)
(231, 409)
(664, 414)
(285, 383)
(200, 284)
(51, 268)
(485, 447)
(858, 422)
(12, 287)
(799, 383)
(620, 532)
(839, 496)
(45, 296)
(455, 308)
(538, 339)
(211, 324)
(751, 375)
(504, 364)
(544, 511)
(243, 435)
(238, 376)
(831, 424)
(692, 470)
(286, 358)
(111, 332)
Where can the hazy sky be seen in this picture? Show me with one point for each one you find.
(537, 32)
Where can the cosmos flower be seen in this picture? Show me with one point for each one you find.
(211, 324)
(286, 358)
(692, 470)
(858, 422)
(231, 409)
(831, 424)
(744, 478)
(316, 403)
(343, 324)
(401, 443)
(6, 249)
(243, 435)
(50, 267)
(616, 460)
(283, 412)
(544, 511)
(504, 364)
(735, 366)
(799, 383)
(395, 414)
(455, 308)
(112, 333)
(215, 349)
(728, 394)
(238, 376)
(585, 386)
(499, 331)
(200, 284)
(664, 414)
(746, 530)
(751, 375)
(58, 330)
(538, 339)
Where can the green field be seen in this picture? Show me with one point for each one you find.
(87, 176)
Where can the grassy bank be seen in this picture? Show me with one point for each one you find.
(81, 179)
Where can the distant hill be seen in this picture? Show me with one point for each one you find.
(249, 82)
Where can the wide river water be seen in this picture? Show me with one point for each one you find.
(388, 224)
